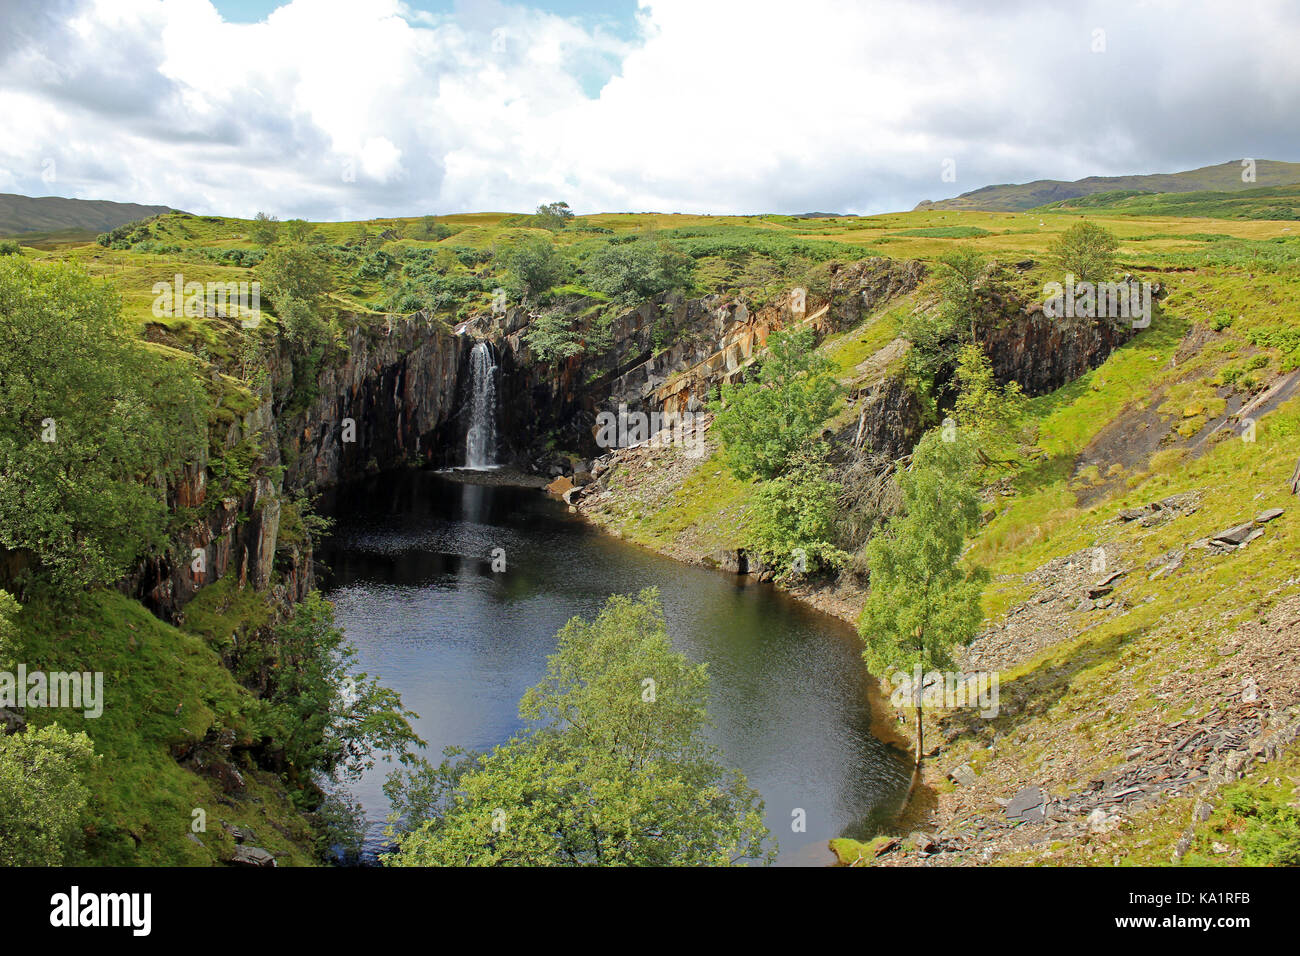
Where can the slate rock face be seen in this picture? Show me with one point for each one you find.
(1042, 354)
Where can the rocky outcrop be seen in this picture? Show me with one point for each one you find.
(890, 419)
(711, 340)
(397, 383)
(388, 397)
(1042, 354)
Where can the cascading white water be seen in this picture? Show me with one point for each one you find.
(481, 438)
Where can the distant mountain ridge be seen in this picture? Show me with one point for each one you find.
(23, 215)
(1224, 177)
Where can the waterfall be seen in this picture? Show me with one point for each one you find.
(481, 438)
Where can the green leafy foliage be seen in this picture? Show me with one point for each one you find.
(552, 215)
(534, 266)
(554, 336)
(993, 415)
(1087, 251)
(327, 719)
(264, 230)
(795, 517)
(296, 278)
(762, 423)
(93, 422)
(1270, 826)
(614, 771)
(634, 271)
(42, 795)
(960, 275)
(923, 603)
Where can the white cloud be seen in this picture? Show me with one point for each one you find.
(333, 109)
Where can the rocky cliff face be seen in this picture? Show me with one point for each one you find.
(714, 339)
(1043, 354)
(389, 397)
(395, 394)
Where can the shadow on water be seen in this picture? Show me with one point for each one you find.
(410, 573)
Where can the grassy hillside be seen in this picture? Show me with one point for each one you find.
(167, 700)
(1224, 177)
(1266, 202)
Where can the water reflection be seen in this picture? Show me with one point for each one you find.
(411, 575)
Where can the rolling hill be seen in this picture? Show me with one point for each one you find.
(1225, 177)
(70, 218)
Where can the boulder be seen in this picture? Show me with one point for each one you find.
(11, 722)
(730, 561)
(963, 776)
(1099, 821)
(1234, 536)
(1029, 805)
(1266, 516)
(559, 486)
(252, 856)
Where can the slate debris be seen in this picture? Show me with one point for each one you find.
(1028, 806)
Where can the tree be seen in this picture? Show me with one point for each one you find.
(553, 216)
(1087, 251)
(93, 423)
(535, 266)
(9, 609)
(794, 516)
(42, 795)
(938, 334)
(632, 272)
(761, 423)
(296, 231)
(296, 280)
(264, 229)
(922, 603)
(553, 336)
(328, 719)
(431, 228)
(961, 273)
(994, 416)
(614, 771)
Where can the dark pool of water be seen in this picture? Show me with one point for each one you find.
(409, 572)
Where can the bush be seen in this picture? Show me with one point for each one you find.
(602, 775)
(535, 266)
(93, 422)
(329, 719)
(42, 795)
(762, 423)
(634, 271)
(264, 229)
(9, 247)
(794, 517)
(554, 336)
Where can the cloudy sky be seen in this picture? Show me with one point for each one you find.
(337, 109)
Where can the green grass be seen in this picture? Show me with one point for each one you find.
(164, 691)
